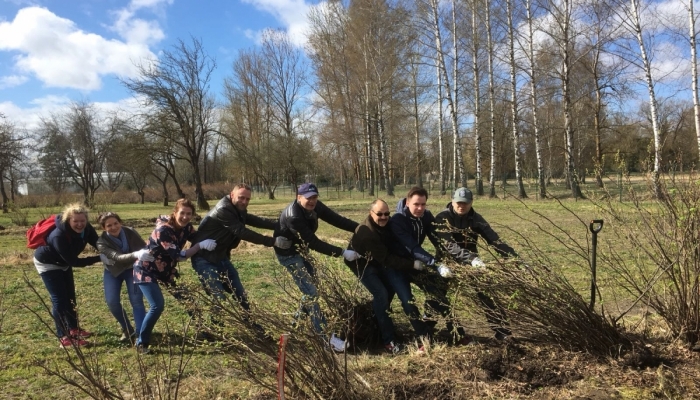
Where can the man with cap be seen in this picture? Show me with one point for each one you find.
(459, 228)
(411, 224)
(298, 223)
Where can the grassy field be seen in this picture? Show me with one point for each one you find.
(28, 347)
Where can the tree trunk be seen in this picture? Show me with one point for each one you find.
(514, 104)
(542, 189)
(694, 70)
(492, 100)
(5, 208)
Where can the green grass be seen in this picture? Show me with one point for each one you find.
(25, 342)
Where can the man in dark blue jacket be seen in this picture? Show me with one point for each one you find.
(298, 223)
(411, 224)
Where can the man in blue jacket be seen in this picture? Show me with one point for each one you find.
(298, 223)
(411, 224)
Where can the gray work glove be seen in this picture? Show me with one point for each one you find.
(350, 255)
(444, 271)
(143, 255)
(418, 265)
(282, 242)
(105, 260)
(478, 263)
(207, 244)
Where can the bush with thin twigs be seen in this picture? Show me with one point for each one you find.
(82, 367)
(312, 370)
(663, 238)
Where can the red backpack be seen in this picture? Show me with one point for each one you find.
(37, 234)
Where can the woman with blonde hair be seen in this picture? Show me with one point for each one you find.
(55, 261)
(119, 247)
(166, 246)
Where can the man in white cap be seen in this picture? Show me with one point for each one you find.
(458, 228)
(298, 223)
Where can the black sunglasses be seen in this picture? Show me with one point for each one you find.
(384, 214)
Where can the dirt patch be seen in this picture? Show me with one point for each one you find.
(516, 363)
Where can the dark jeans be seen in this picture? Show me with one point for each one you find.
(61, 288)
(220, 278)
(435, 287)
(377, 283)
(400, 282)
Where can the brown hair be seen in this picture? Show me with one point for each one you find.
(71, 209)
(417, 191)
(102, 218)
(181, 203)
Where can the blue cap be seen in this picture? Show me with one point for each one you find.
(307, 190)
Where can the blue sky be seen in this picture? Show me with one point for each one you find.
(56, 51)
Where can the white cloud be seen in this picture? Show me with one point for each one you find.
(291, 13)
(12, 81)
(137, 30)
(30, 117)
(61, 55)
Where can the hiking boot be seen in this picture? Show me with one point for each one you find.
(79, 333)
(392, 348)
(337, 344)
(68, 341)
(465, 340)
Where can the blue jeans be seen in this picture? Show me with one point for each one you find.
(304, 277)
(113, 288)
(61, 288)
(156, 302)
(377, 283)
(400, 282)
(435, 287)
(220, 278)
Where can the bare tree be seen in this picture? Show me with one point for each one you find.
(178, 86)
(75, 147)
(514, 119)
(11, 155)
(492, 98)
(534, 99)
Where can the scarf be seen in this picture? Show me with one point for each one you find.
(120, 241)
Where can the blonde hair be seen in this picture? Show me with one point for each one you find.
(71, 209)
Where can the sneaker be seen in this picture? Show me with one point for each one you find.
(68, 341)
(392, 348)
(79, 333)
(421, 350)
(142, 349)
(337, 344)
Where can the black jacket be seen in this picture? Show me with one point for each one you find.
(373, 243)
(458, 235)
(300, 225)
(122, 261)
(64, 245)
(410, 232)
(227, 225)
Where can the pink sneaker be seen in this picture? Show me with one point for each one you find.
(67, 341)
(79, 333)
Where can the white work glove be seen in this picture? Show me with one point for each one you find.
(478, 263)
(350, 255)
(444, 271)
(207, 244)
(143, 255)
(282, 242)
(418, 265)
(105, 260)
